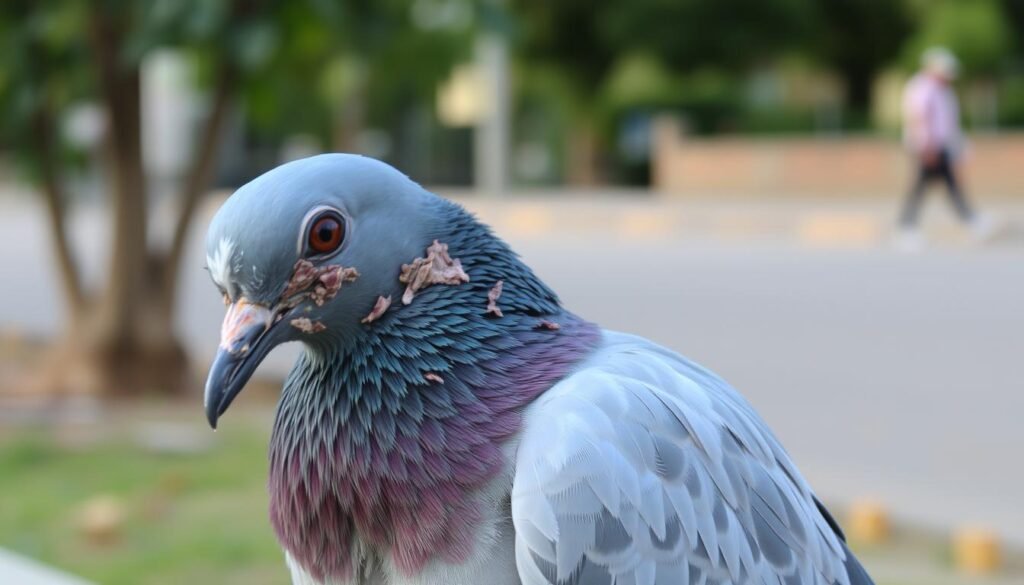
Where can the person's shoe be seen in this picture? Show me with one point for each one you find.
(909, 240)
(983, 227)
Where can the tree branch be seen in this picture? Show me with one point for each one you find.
(200, 174)
(56, 210)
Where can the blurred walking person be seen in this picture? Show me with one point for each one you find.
(931, 131)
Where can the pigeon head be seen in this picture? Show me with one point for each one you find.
(424, 338)
(305, 253)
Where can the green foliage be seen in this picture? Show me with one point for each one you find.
(858, 38)
(284, 57)
(688, 34)
(298, 63)
(586, 40)
(639, 79)
(567, 36)
(329, 52)
(1011, 103)
(1014, 12)
(977, 31)
(43, 62)
(709, 99)
(409, 63)
(777, 120)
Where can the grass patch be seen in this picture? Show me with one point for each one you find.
(198, 518)
(202, 518)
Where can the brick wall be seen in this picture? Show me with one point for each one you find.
(818, 166)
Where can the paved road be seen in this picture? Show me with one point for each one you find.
(888, 376)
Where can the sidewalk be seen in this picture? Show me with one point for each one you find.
(19, 570)
(640, 215)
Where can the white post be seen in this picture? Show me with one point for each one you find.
(491, 140)
(168, 115)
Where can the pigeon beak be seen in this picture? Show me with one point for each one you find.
(244, 342)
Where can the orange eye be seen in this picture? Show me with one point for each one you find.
(326, 233)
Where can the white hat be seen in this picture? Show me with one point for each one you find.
(942, 61)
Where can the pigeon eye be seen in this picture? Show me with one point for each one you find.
(326, 233)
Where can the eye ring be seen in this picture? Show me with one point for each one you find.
(325, 233)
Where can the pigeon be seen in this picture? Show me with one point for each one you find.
(449, 422)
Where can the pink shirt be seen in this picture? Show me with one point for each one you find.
(931, 116)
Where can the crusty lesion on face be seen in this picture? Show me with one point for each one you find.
(437, 267)
(316, 283)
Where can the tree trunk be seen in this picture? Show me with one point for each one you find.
(125, 344)
(122, 341)
(581, 160)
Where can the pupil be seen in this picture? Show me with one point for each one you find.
(326, 232)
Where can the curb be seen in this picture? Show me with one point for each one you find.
(975, 550)
(808, 224)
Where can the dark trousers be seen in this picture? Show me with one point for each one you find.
(942, 170)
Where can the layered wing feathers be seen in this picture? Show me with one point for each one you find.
(643, 468)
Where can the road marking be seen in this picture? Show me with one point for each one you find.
(528, 220)
(839, 230)
(643, 224)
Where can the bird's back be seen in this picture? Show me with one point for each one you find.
(643, 467)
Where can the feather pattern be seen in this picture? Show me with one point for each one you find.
(221, 263)
(383, 440)
(644, 468)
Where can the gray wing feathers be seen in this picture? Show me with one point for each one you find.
(645, 469)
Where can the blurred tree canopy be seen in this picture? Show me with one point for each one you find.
(858, 38)
(1014, 11)
(301, 65)
(592, 50)
(565, 57)
(977, 31)
(690, 34)
(602, 61)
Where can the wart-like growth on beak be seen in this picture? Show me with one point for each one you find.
(243, 324)
(250, 330)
